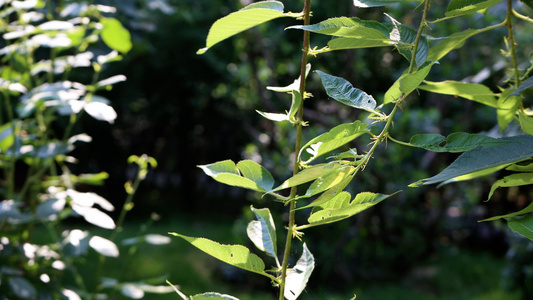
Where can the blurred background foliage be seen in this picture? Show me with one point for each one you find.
(187, 110)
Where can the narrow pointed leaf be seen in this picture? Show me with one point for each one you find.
(343, 91)
(528, 83)
(246, 18)
(526, 210)
(520, 167)
(522, 225)
(235, 255)
(331, 140)
(361, 202)
(328, 181)
(263, 231)
(455, 142)
(476, 174)
(350, 28)
(512, 180)
(482, 158)
(471, 91)
(331, 193)
(449, 43)
(464, 7)
(298, 276)
(407, 83)
(307, 174)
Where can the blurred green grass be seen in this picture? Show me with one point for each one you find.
(450, 274)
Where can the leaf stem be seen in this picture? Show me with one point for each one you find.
(520, 16)
(509, 23)
(297, 147)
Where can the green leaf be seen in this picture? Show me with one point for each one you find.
(22, 288)
(464, 7)
(291, 115)
(241, 20)
(323, 183)
(522, 225)
(407, 83)
(526, 122)
(528, 167)
(7, 138)
(331, 194)
(213, 296)
(307, 174)
(333, 139)
(476, 174)
(343, 43)
(246, 174)
(350, 28)
(512, 180)
(471, 91)
(298, 275)
(295, 86)
(235, 255)
(482, 158)
(115, 36)
(449, 43)
(507, 107)
(344, 92)
(263, 232)
(374, 3)
(455, 142)
(526, 210)
(343, 210)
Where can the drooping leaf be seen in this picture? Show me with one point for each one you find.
(263, 232)
(343, 91)
(308, 174)
(254, 176)
(235, 255)
(213, 296)
(449, 43)
(526, 122)
(455, 142)
(526, 210)
(520, 148)
(464, 7)
(512, 180)
(471, 91)
(241, 20)
(331, 140)
(343, 210)
(298, 276)
(115, 36)
(522, 225)
(374, 3)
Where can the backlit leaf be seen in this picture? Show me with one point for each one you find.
(512, 180)
(263, 232)
(254, 176)
(471, 91)
(213, 296)
(507, 107)
(449, 43)
(104, 246)
(526, 122)
(330, 194)
(374, 3)
(246, 18)
(331, 140)
(115, 36)
(526, 210)
(407, 83)
(328, 181)
(235, 255)
(464, 7)
(307, 174)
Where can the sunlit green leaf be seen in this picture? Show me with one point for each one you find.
(482, 158)
(246, 18)
(528, 167)
(449, 43)
(213, 296)
(307, 174)
(507, 107)
(343, 91)
(235, 255)
(407, 83)
(7, 137)
(333, 139)
(526, 210)
(512, 180)
(330, 194)
(115, 36)
(464, 7)
(253, 176)
(328, 181)
(471, 91)
(526, 122)
(522, 225)
(298, 275)
(342, 210)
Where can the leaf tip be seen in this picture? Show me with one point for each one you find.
(201, 51)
